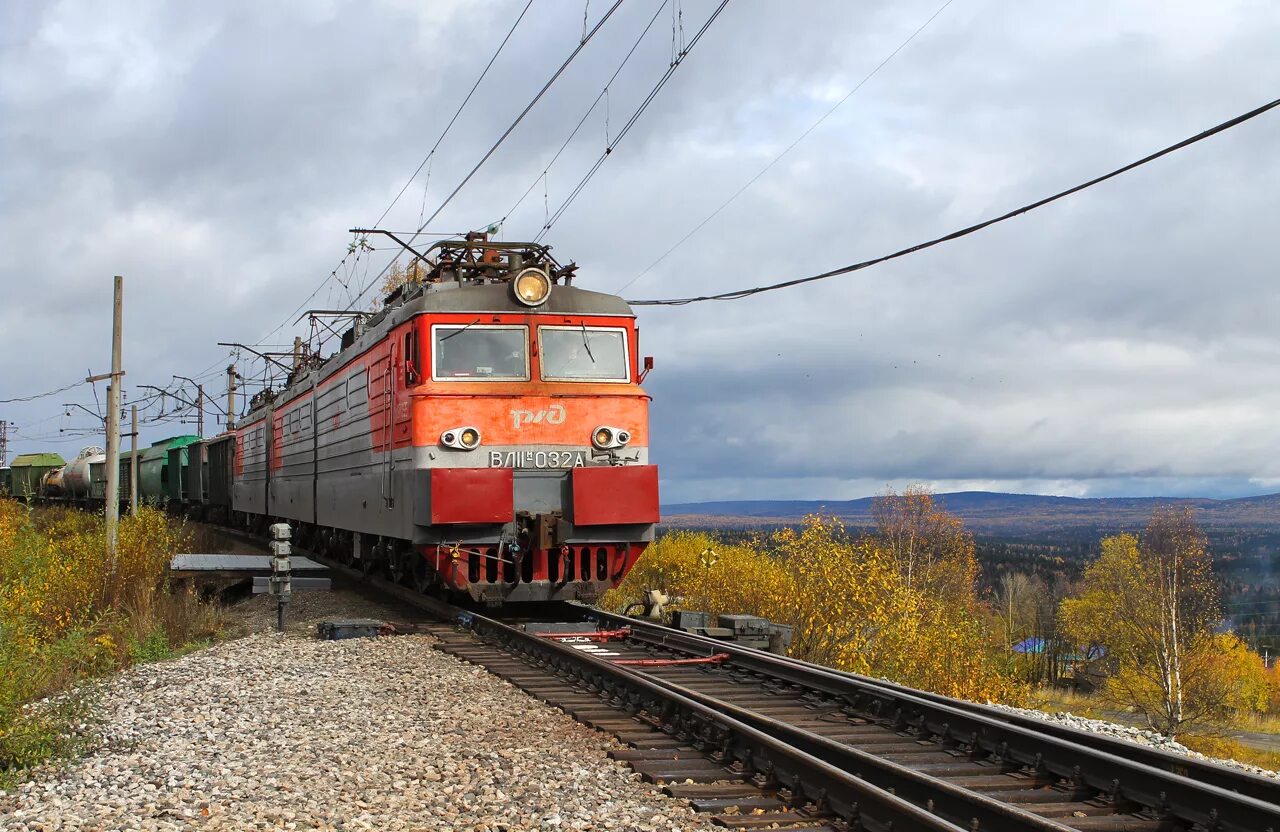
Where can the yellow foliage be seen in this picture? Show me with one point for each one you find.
(1152, 603)
(733, 579)
(847, 598)
(931, 548)
(67, 609)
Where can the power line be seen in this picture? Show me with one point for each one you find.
(510, 129)
(581, 45)
(42, 395)
(457, 113)
(789, 148)
(738, 294)
(359, 247)
(626, 128)
(603, 92)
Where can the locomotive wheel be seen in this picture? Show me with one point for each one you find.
(422, 575)
(396, 567)
(370, 559)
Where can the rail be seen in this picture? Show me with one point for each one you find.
(1211, 795)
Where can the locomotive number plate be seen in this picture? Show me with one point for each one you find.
(537, 459)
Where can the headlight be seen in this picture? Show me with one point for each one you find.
(531, 287)
(463, 438)
(606, 438)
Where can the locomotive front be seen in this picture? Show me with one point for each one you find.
(529, 430)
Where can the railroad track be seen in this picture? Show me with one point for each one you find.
(763, 741)
(695, 716)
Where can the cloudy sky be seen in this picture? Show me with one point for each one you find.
(1121, 342)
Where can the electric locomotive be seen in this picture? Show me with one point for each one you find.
(484, 433)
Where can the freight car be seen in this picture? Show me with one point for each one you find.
(85, 477)
(27, 471)
(162, 471)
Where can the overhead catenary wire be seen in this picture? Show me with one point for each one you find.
(333, 273)
(497, 144)
(542, 177)
(635, 116)
(528, 107)
(788, 149)
(456, 113)
(46, 394)
(738, 294)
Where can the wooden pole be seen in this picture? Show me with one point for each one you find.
(113, 422)
(200, 409)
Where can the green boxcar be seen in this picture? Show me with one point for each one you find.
(162, 469)
(4, 480)
(27, 469)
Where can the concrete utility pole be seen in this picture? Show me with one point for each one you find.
(133, 463)
(199, 403)
(231, 396)
(4, 443)
(113, 422)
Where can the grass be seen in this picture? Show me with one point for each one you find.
(1056, 701)
(69, 612)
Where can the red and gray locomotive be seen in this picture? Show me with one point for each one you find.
(484, 433)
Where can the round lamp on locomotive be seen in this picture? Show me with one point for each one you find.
(532, 287)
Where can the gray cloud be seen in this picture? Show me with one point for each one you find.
(1119, 342)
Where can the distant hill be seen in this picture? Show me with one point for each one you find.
(989, 512)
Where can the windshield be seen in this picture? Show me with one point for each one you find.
(480, 352)
(584, 354)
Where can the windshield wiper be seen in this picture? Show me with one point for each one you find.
(460, 331)
(585, 344)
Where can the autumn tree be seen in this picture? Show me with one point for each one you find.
(1152, 602)
(397, 276)
(1016, 597)
(854, 611)
(933, 551)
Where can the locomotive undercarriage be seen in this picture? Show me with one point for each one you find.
(495, 570)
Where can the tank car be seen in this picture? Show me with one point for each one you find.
(51, 484)
(485, 433)
(85, 477)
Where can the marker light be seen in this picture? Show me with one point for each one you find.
(532, 287)
(463, 438)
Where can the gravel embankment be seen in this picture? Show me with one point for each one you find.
(1132, 734)
(274, 731)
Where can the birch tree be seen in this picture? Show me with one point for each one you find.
(1152, 602)
(932, 550)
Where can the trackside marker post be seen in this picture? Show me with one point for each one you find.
(281, 583)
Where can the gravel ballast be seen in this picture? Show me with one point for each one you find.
(283, 731)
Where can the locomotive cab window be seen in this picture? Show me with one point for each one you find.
(470, 352)
(583, 353)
